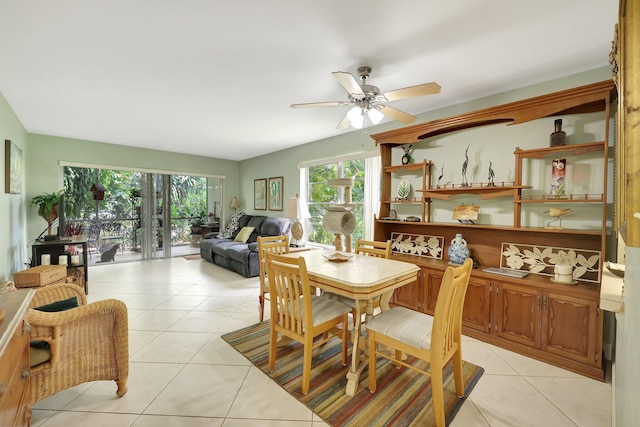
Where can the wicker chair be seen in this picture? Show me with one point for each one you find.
(87, 343)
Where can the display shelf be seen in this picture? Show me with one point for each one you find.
(568, 198)
(574, 149)
(408, 167)
(485, 191)
(496, 304)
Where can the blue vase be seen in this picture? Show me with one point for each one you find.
(458, 251)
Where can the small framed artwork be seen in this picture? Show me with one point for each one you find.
(260, 194)
(275, 193)
(12, 168)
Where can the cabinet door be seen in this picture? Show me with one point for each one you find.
(476, 311)
(518, 314)
(432, 282)
(409, 295)
(569, 328)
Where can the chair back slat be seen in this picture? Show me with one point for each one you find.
(272, 244)
(447, 317)
(289, 291)
(374, 248)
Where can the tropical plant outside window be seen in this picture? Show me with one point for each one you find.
(320, 196)
(188, 207)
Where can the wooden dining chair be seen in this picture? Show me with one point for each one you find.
(436, 339)
(300, 315)
(370, 248)
(273, 244)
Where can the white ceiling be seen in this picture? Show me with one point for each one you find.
(216, 78)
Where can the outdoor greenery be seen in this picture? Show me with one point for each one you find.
(188, 195)
(320, 196)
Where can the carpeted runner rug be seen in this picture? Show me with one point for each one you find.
(192, 257)
(403, 397)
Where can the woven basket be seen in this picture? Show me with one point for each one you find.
(39, 276)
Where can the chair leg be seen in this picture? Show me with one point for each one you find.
(437, 394)
(306, 363)
(344, 337)
(372, 361)
(273, 338)
(261, 307)
(457, 372)
(122, 387)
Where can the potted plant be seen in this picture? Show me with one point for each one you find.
(47, 204)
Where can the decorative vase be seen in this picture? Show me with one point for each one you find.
(458, 251)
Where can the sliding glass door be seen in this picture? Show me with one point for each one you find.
(133, 215)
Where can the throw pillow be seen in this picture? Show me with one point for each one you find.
(231, 227)
(244, 234)
(62, 305)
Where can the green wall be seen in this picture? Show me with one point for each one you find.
(12, 206)
(42, 154)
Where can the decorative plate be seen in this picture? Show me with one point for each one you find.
(338, 256)
(404, 188)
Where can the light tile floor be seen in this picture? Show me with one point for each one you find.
(183, 374)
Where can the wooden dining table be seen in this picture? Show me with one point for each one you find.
(361, 278)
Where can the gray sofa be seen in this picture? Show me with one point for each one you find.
(237, 256)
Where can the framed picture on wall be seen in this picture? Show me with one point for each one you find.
(260, 194)
(275, 193)
(12, 168)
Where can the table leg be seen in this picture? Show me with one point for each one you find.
(353, 376)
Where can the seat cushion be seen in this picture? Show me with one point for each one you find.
(325, 309)
(404, 325)
(238, 252)
(62, 305)
(349, 301)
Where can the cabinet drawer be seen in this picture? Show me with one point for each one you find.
(15, 379)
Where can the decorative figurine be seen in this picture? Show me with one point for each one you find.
(406, 157)
(441, 175)
(465, 183)
(557, 214)
(558, 172)
(491, 175)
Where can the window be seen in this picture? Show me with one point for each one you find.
(364, 194)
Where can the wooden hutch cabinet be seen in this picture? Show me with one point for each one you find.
(556, 323)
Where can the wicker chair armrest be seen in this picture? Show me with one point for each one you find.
(61, 291)
(74, 331)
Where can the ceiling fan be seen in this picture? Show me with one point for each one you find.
(367, 99)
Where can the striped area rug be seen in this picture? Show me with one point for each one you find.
(403, 397)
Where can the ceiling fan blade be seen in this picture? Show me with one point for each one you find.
(410, 92)
(349, 83)
(320, 104)
(396, 114)
(344, 123)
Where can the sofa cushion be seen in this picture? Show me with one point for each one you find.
(253, 246)
(238, 253)
(274, 226)
(232, 227)
(222, 246)
(242, 222)
(256, 222)
(244, 234)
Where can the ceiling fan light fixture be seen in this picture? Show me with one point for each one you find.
(356, 117)
(375, 115)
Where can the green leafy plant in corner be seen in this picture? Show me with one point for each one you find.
(47, 204)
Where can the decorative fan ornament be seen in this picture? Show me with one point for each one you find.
(367, 100)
